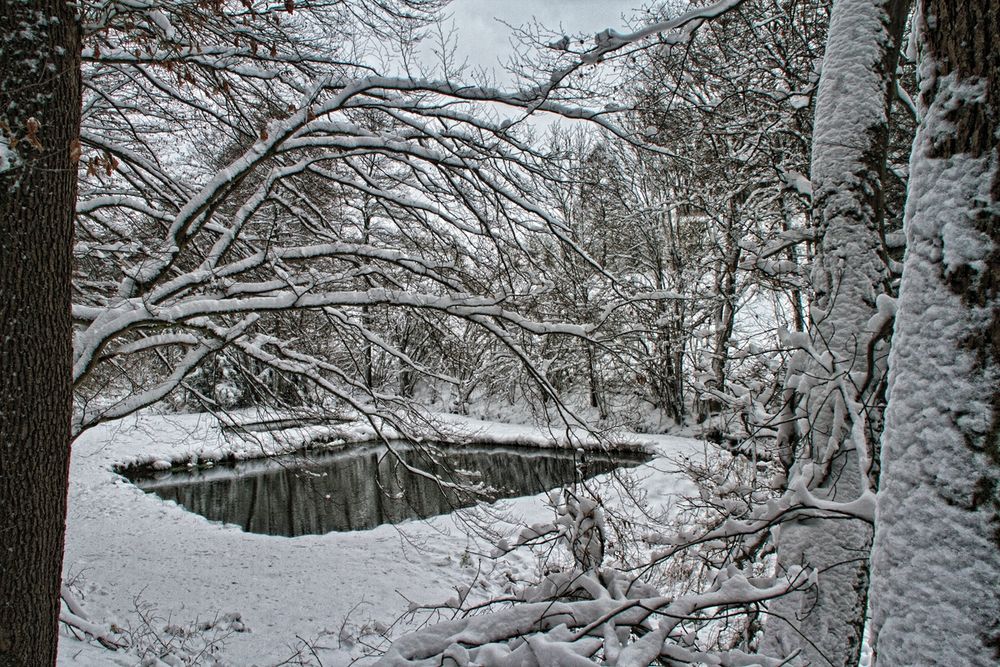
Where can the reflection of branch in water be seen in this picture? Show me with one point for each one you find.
(361, 488)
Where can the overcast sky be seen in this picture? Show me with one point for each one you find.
(483, 41)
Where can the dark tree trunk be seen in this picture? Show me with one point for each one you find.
(594, 382)
(39, 126)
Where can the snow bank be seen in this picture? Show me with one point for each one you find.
(128, 551)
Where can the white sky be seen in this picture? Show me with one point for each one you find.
(484, 41)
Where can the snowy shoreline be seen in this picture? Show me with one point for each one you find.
(233, 442)
(127, 550)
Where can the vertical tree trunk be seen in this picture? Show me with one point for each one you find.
(849, 146)
(936, 557)
(39, 126)
(594, 381)
(725, 316)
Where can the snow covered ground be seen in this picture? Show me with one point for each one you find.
(305, 600)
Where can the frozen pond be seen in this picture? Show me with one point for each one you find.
(364, 486)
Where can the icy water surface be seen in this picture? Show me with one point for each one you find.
(362, 487)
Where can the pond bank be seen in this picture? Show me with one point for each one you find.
(134, 556)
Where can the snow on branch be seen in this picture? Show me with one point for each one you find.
(572, 632)
(309, 184)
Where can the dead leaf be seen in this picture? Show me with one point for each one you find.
(33, 126)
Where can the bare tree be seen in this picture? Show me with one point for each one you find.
(302, 182)
(734, 109)
(834, 396)
(217, 140)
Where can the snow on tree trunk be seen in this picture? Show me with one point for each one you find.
(39, 126)
(849, 143)
(936, 557)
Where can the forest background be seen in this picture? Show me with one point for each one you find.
(222, 205)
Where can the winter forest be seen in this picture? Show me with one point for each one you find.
(430, 332)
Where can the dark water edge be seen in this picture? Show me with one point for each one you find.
(364, 486)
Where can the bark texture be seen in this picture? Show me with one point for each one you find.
(823, 625)
(39, 126)
(936, 558)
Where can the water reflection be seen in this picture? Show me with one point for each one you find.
(363, 487)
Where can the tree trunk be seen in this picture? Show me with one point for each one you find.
(850, 133)
(594, 382)
(725, 316)
(39, 126)
(936, 557)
